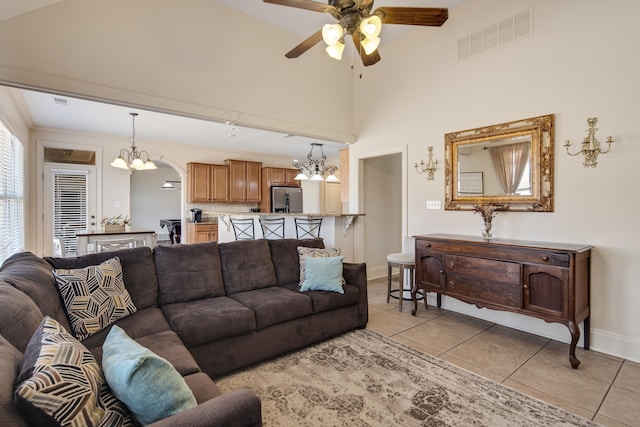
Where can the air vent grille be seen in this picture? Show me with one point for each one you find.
(505, 31)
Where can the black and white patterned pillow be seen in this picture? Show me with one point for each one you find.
(94, 296)
(304, 252)
(61, 383)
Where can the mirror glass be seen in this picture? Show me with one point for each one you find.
(509, 164)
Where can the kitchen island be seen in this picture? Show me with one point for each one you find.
(341, 231)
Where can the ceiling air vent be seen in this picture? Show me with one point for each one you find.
(505, 31)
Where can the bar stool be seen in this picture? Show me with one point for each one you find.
(307, 227)
(243, 228)
(402, 261)
(272, 228)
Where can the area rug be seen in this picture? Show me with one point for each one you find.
(364, 379)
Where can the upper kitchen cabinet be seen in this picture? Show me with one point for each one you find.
(207, 183)
(245, 180)
(276, 177)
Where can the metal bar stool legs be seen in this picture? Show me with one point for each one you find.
(402, 262)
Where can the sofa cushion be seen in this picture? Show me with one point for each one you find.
(138, 271)
(188, 272)
(33, 276)
(60, 383)
(94, 296)
(323, 274)
(202, 386)
(284, 255)
(208, 320)
(19, 316)
(143, 322)
(149, 385)
(275, 305)
(10, 360)
(325, 301)
(246, 265)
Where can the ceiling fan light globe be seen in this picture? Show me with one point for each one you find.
(119, 163)
(335, 51)
(370, 45)
(371, 26)
(332, 33)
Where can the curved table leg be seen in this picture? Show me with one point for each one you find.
(575, 336)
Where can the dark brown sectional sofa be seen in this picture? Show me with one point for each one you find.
(208, 308)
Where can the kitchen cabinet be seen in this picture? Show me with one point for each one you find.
(207, 183)
(198, 232)
(245, 180)
(275, 176)
(332, 202)
(549, 281)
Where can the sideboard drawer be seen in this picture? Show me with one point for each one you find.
(481, 290)
(499, 271)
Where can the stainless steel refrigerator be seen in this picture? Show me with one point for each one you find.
(286, 199)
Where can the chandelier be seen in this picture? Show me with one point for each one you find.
(315, 167)
(132, 158)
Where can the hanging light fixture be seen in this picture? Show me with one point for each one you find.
(315, 167)
(132, 158)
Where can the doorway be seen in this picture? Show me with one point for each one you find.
(382, 200)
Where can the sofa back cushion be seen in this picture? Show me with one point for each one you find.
(138, 272)
(188, 272)
(19, 316)
(284, 255)
(33, 276)
(246, 265)
(10, 360)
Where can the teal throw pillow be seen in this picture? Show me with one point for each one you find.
(149, 385)
(323, 274)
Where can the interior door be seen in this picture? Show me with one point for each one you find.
(69, 204)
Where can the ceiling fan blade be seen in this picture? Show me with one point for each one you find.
(427, 16)
(304, 4)
(305, 45)
(367, 60)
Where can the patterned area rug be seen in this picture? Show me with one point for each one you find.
(364, 379)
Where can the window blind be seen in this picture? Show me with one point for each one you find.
(70, 202)
(11, 194)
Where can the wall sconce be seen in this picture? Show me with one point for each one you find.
(431, 166)
(590, 145)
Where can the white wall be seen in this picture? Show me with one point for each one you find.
(581, 61)
(150, 203)
(193, 56)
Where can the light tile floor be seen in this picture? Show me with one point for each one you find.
(604, 388)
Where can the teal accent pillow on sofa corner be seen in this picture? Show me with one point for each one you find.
(146, 383)
(323, 274)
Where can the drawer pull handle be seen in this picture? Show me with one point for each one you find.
(428, 245)
(451, 283)
(545, 258)
(509, 273)
(452, 264)
(525, 287)
(441, 271)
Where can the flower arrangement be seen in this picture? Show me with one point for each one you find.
(488, 212)
(116, 220)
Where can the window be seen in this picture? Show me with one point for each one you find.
(11, 194)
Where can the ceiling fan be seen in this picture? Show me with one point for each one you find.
(356, 18)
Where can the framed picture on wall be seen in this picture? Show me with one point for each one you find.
(470, 183)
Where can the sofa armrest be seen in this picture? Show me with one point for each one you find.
(356, 275)
(238, 408)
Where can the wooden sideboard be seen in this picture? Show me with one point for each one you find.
(549, 281)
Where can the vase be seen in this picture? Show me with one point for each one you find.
(110, 228)
(487, 230)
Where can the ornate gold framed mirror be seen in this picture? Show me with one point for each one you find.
(509, 164)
